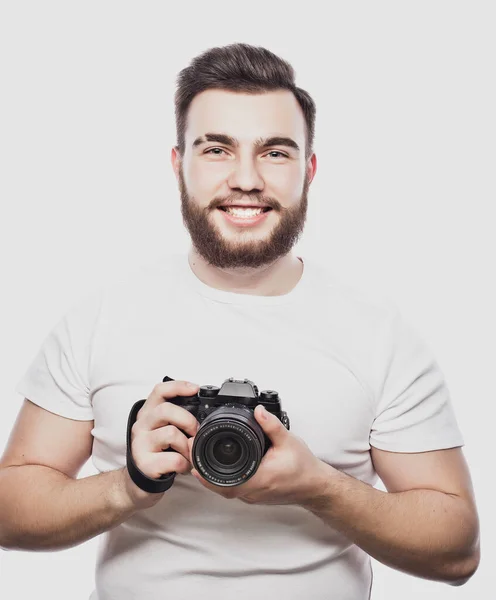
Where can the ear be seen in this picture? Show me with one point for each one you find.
(176, 161)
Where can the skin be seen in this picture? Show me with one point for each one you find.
(257, 259)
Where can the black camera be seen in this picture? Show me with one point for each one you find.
(229, 444)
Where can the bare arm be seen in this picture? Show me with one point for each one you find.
(44, 509)
(42, 504)
(425, 525)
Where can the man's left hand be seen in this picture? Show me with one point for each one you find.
(289, 473)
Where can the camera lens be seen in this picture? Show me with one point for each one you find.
(227, 451)
(229, 446)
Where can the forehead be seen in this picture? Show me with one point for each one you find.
(246, 116)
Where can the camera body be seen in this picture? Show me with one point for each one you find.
(230, 444)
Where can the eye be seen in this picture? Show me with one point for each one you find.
(209, 151)
(277, 152)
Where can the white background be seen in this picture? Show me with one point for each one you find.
(403, 202)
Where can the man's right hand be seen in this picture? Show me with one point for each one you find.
(156, 428)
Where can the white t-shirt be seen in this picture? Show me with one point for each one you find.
(350, 373)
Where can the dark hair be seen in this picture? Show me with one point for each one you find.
(241, 68)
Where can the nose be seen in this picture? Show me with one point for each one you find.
(245, 175)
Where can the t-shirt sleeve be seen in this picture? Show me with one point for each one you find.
(58, 378)
(414, 412)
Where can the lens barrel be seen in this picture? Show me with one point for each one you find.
(228, 446)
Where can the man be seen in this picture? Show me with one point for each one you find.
(363, 393)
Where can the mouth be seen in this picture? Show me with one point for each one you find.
(244, 216)
(247, 208)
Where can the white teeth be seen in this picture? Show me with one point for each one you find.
(243, 212)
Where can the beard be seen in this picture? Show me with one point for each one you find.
(244, 247)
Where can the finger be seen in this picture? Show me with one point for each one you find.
(204, 483)
(190, 443)
(166, 437)
(159, 463)
(271, 425)
(168, 389)
(167, 414)
(147, 451)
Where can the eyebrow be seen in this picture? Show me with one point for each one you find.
(260, 143)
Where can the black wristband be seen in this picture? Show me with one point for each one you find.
(148, 484)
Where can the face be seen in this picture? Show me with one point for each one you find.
(213, 172)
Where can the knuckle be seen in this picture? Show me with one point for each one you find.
(143, 464)
(157, 389)
(177, 462)
(170, 434)
(149, 400)
(137, 447)
(164, 409)
(136, 430)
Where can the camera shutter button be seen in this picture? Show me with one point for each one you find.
(269, 395)
(209, 391)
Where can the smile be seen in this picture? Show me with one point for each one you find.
(244, 216)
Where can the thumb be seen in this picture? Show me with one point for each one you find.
(271, 425)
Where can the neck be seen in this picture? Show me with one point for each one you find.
(275, 279)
